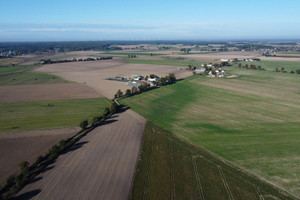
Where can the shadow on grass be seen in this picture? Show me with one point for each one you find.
(27, 195)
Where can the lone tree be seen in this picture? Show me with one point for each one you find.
(134, 89)
(172, 77)
(24, 166)
(118, 94)
(83, 125)
(128, 92)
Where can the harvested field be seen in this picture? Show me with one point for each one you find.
(100, 166)
(46, 92)
(94, 74)
(27, 146)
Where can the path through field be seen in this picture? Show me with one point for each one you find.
(99, 166)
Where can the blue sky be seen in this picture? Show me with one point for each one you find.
(66, 20)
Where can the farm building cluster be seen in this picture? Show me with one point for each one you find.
(138, 80)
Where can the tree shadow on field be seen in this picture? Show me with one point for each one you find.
(36, 179)
(108, 122)
(27, 195)
(47, 168)
(76, 146)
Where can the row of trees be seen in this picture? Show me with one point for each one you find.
(169, 79)
(27, 173)
(250, 66)
(49, 61)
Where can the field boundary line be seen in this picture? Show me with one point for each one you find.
(173, 194)
(261, 197)
(200, 189)
(225, 183)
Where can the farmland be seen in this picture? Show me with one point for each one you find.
(99, 166)
(29, 78)
(17, 147)
(251, 120)
(20, 116)
(170, 168)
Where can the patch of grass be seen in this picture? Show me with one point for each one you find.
(252, 120)
(169, 168)
(11, 69)
(172, 62)
(34, 115)
(9, 61)
(272, 65)
(133, 53)
(28, 78)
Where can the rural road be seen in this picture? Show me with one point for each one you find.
(99, 166)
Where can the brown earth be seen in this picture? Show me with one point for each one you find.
(46, 92)
(95, 73)
(100, 166)
(27, 146)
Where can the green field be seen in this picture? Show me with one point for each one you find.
(12, 69)
(169, 168)
(252, 120)
(29, 78)
(271, 65)
(34, 115)
(9, 61)
(172, 62)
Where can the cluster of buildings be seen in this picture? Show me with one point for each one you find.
(137, 80)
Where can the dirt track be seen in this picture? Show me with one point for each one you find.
(100, 166)
(27, 146)
(94, 74)
(46, 92)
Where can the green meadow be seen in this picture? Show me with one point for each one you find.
(252, 120)
(23, 116)
(29, 78)
(169, 168)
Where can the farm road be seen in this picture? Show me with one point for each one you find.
(101, 167)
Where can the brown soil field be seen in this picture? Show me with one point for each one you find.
(94, 74)
(46, 92)
(99, 166)
(27, 146)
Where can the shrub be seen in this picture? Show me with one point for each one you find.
(83, 125)
(298, 71)
(128, 92)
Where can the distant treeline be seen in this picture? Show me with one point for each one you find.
(49, 61)
(40, 47)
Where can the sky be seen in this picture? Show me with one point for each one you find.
(78, 20)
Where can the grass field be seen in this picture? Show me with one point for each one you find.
(29, 78)
(9, 61)
(172, 62)
(170, 168)
(12, 69)
(252, 120)
(34, 115)
(271, 65)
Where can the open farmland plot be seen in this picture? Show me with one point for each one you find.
(101, 166)
(27, 146)
(46, 92)
(169, 168)
(20, 116)
(29, 78)
(94, 74)
(252, 120)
